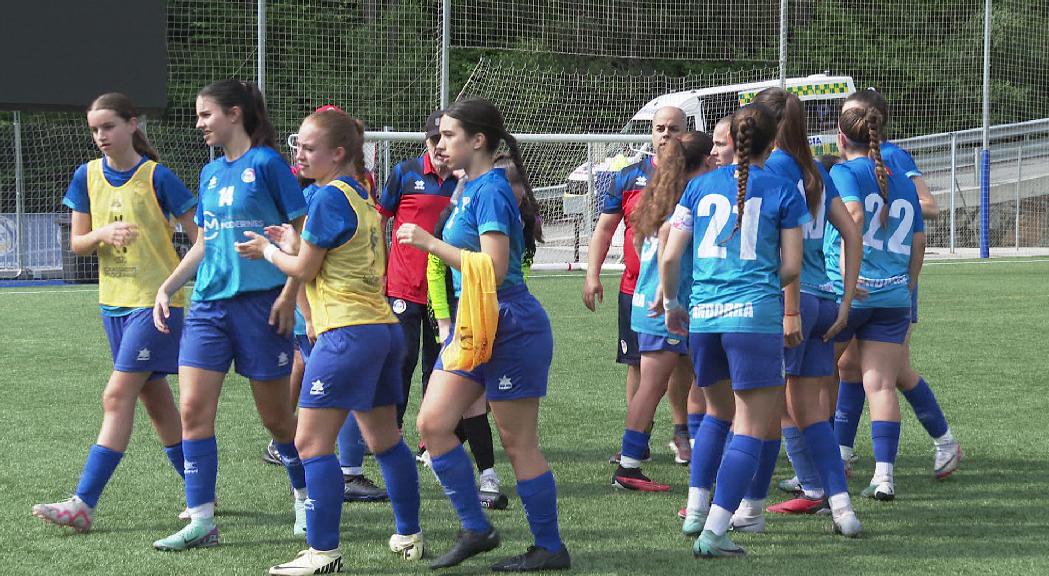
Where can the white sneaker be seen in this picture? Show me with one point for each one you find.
(425, 459)
(411, 547)
(72, 513)
(883, 490)
(748, 518)
(300, 516)
(948, 456)
(310, 561)
(490, 482)
(847, 524)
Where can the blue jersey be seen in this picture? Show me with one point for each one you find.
(814, 279)
(487, 205)
(899, 160)
(886, 248)
(300, 321)
(832, 259)
(736, 284)
(247, 194)
(648, 285)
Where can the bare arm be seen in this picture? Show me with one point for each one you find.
(930, 209)
(917, 258)
(841, 219)
(790, 255)
(676, 316)
(495, 244)
(83, 240)
(593, 291)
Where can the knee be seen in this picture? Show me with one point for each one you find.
(117, 400)
(280, 425)
(431, 426)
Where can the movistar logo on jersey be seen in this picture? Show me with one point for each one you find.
(212, 225)
(726, 310)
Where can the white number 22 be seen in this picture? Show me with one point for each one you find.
(719, 208)
(900, 209)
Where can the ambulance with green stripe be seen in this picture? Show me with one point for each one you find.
(822, 95)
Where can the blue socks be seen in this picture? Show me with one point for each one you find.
(456, 473)
(296, 473)
(801, 458)
(634, 445)
(402, 483)
(923, 401)
(759, 486)
(706, 452)
(324, 506)
(886, 439)
(737, 471)
(539, 496)
(98, 468)
(848, 412)
(694, 420)
(824, 457)
(202, 469)
(351, 444)
(174, 453)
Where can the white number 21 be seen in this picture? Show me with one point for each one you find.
(720, 209)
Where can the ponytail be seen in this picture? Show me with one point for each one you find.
(677, 159)
(874, 126)
(753, 131)
(141, 145)
(230, 93)
(529, 206)
(122, 106)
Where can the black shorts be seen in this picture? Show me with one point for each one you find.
(627, 351)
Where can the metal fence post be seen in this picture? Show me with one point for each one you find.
(985, 156)
(385, 156)
(1019, 179)
(446, 43)
(954, 182)
(19, 198)
(260, 48)
(783, 10)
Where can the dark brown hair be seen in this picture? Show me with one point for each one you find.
(230, 93)
(753, 131)
(863, 127)
(677, 159)
(871, 98)
(793, 139)
(122, 106)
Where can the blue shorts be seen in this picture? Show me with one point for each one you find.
(914, 304)
(628, 351)
(654, 343)
(523, 350)
(137, 345)
(813, 358)
(220, 331)
(750, 360)
(877, 324)
(354, 368)
(303, 344)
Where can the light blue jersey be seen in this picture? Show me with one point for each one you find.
(814, 279)
(736, 284)
(248, 194)
(300, 321)
(487, 205)
(648, 285)
(886, 247)
(899, 160)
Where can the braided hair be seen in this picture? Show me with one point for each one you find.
(753, 131)
(863, 127)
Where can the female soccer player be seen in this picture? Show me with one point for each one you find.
(487, 219)
(741, 263)
(242, 310)
(664, 356)
(809, 366)
(121, 207)
(356, 362)
(886, 205)
(910, 383)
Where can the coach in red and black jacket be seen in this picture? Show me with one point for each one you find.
(416, 192)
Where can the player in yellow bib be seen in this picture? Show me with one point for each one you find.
(123, 205)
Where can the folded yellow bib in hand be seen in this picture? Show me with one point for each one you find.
(477, 319)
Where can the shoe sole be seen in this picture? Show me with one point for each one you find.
(489, 546)
(642, 487)
(49, 520)
(495, 502)
(755, 528)
(883, 497)
(207, 543)
(838, 531)
(365, 498)
(952, 466)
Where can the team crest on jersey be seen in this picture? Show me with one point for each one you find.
(399, 306)
(641, 182)
(247, 176)
(213, 182)
(420, 185)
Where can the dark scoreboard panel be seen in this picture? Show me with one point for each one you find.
(61, 54)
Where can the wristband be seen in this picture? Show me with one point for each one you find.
(792, 313)
(269, 251)
(671, 304)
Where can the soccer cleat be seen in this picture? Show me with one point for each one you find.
(848, 464)
(491, 493)
(73, 513)
(710, 545)
(360, 489)
(747, 520)
(299, 527)
(692, 526)
(799, 505)
(410, 547)
(467, 544)
(948, 457)
(790, 486)
(535, 559)
(847, 524)
(682, 512)
(196, 534)
(424, 459)
(883, 490)
(633, 479)
(646, 457)
(682, 450)
(271, 456)
(310, 561)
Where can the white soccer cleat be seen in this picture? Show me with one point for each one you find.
(72, 513)
(884, 490)
(748, 518)
(411, 547)
(310, 561)
(948, 457)
(847, 524)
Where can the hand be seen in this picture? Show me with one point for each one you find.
(282, 315)
(444, 329)
(253, 247)
(161, 313)
(285, 237)
(792, 331)
(311, 332)
(656, 309)
(861, 293)
(677, 321)
(593, 292)
(413, 235)
(117, 234)
(839, 323)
